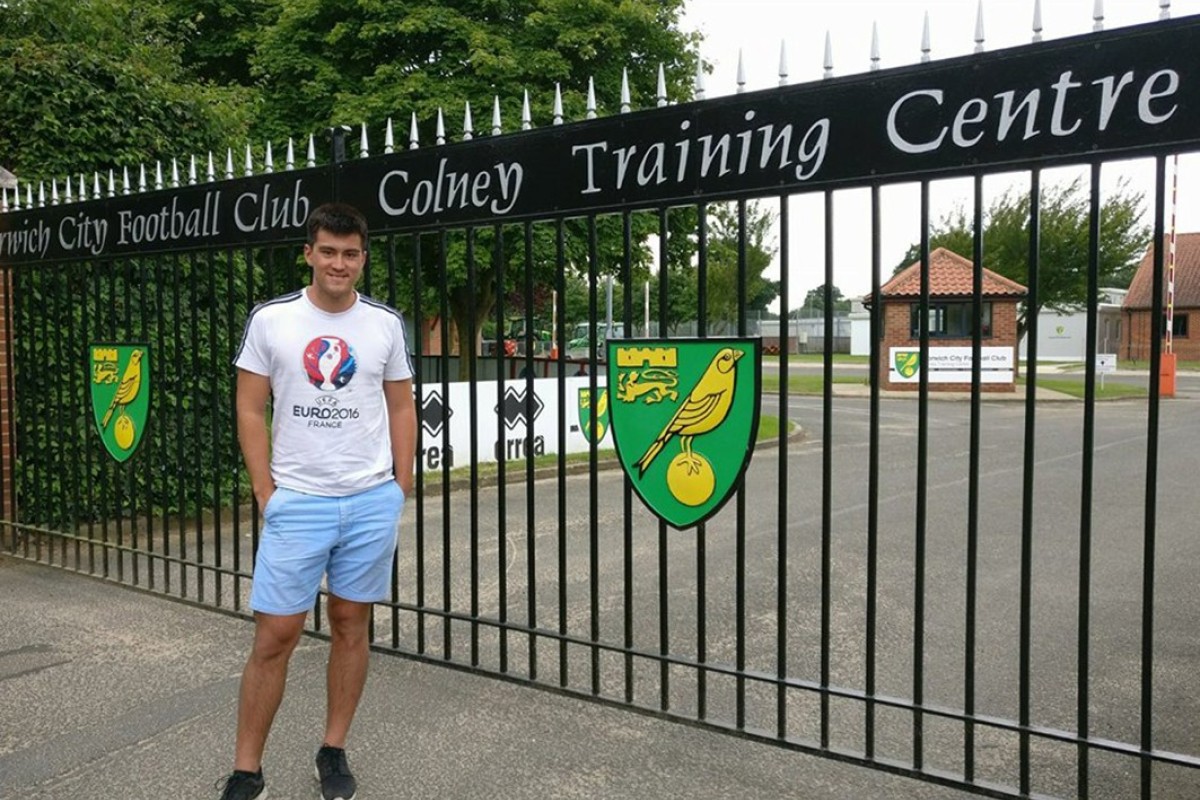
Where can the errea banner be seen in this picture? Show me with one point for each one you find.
(1123, 92)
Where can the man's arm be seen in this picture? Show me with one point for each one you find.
(253, 390)
(402, 428)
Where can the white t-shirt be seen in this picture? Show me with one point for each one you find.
(329, 428)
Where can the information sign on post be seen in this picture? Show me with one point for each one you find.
(1106, 364)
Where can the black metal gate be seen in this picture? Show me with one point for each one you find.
(992, 596)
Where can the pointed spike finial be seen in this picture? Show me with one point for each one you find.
(979, 27)
(289, 159)
(526, 116)
(741, 72)
(1164, 9)
(141, 178)
(192, 171)
(268, 160)
(228, 163)
(310, 155)
(591, 99)
(174, 173)
(874, 46)
(112, 185)
(440, 130)
(496, 128)
(783, 65)
(41, 194)
(1098, 16)
(125, 187)
(1037, 20)
(3, 200)
(698, 84)
(389, 139)
(925, 47)
(660, 94)
(95, 185)
(28, 196)
(211, 174)
(414, 138)
(158, 175)
(364, 147)
(82, 188)
(828, 56)
(558, 110)
(468, 124)
(16, 201)
(249, 166)
(626, 106)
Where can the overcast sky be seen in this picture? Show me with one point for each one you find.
(756, 27)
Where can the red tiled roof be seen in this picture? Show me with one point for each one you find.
(950, 275)
(1187, 275)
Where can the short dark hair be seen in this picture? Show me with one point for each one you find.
(339, 219)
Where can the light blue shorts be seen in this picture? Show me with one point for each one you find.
(351, 540)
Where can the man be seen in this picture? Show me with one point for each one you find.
(331, 480)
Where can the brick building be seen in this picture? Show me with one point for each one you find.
(1137, 308)
(951, 326)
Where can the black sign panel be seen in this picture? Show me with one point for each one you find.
(1124, 92)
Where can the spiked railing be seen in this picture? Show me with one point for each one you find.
(13, 202)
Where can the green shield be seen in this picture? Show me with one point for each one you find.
(684, 417)
(594, 436)
(119, 375)
(908, 362)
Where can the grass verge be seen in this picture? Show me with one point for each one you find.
(1111, 391)
(805, 384)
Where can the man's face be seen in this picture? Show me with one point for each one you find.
(337, 262)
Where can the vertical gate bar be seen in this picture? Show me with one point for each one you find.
(499, 277)
(8, 275)
(626, 485)
(248, 257)
(60, 420)
(740, 523)
(466, 349)
(108, 334)
(1157, 332)
(80, 404)
(530, 471)
(39, 332)
(194, 289)
(444, 369)
(973, 480)
(781, 574)
(664, 633)
(126, 469)
(120, 334)
(85, 320)
(873, 474)
(389, 251)
(560, 267)
(161, 457)
(147, 449)
(918, 688)
(1086, 477)
(827, 471)
(28, 467)
(233, 336)
(702, 528)
(593, 460)
(1031, 379)
(419, 325)
(215, 425)
(177, 386)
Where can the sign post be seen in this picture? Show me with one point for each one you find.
(1106, 364)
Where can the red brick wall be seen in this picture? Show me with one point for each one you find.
(896, 317)
(1135, 336)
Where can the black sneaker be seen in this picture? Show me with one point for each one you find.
(242, 785)
(333, 771)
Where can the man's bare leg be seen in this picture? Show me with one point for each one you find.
(263, 681)
(349, 653)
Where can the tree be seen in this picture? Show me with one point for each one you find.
(1063, 244)
(814, 302)
(324, 62)
(723, 264)
(91, 85)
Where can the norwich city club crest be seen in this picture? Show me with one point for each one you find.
(120, 381)
(594, 436)
(907, 362)
(684, 416)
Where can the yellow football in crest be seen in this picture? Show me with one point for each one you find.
(123, 432)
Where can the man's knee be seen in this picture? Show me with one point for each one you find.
(348, 619)
(276, 636)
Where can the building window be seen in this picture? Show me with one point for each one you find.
(949, 321)
(1179, 327)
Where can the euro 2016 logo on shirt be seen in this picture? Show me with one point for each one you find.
(329, 363)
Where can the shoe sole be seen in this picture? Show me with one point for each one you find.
(321, 795)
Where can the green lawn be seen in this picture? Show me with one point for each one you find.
(805, 384)
(1111, 391)
(819, 358)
